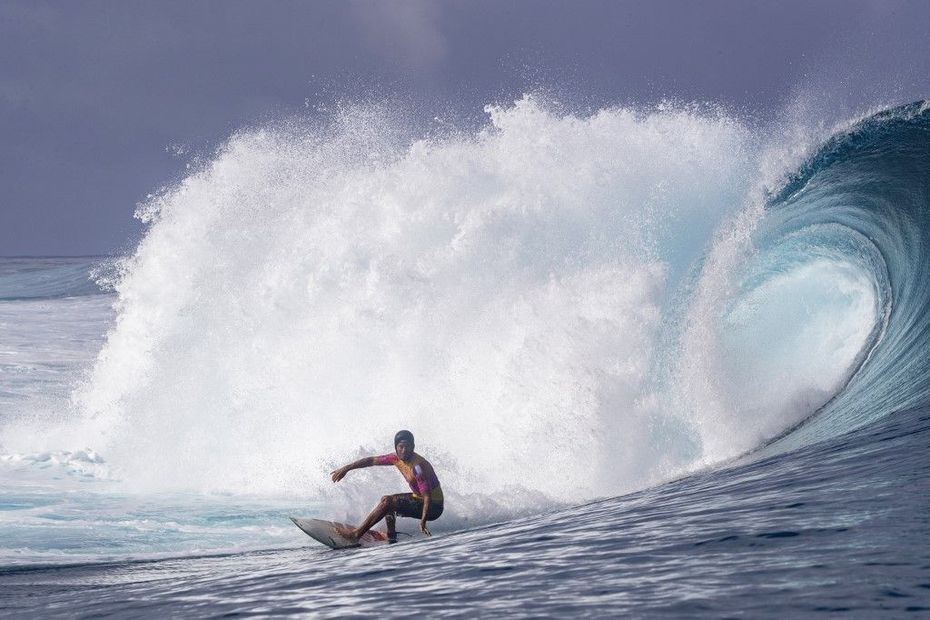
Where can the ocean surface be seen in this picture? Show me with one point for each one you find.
(665, 362)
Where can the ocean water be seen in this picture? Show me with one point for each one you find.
(664, 362)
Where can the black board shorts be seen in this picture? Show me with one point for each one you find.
(406, 505)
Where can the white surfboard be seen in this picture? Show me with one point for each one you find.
(326, 533)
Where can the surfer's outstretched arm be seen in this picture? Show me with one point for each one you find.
(368, 461)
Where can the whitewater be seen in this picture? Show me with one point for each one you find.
(664, 360)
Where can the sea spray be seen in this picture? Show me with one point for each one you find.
(503, 293)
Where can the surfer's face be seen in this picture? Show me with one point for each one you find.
(404, 449)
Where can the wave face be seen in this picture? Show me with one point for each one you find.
(560, 307)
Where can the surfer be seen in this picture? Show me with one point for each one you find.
(425, 503)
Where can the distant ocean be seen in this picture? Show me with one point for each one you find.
(664, 363)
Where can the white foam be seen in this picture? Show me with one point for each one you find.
(500, 293)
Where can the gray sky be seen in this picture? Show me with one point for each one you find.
(95, 95)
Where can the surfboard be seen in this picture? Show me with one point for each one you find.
(327, 533)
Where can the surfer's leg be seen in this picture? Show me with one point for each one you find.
(385, 506)
(391, 521)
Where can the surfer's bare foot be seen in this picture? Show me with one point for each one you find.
(348, 533)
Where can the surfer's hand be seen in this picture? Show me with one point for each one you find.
(339, 474)
(425, 529)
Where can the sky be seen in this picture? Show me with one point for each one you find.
(97, 99)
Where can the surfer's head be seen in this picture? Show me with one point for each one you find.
(403, 445)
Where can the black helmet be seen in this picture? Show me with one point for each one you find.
(403, 436)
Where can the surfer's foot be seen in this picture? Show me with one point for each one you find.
(348, 533)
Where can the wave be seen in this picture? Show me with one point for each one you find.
(561, 307)
(869, 187)
(51, 278)
(81, 462)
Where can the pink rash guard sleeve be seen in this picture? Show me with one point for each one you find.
(386, 459)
